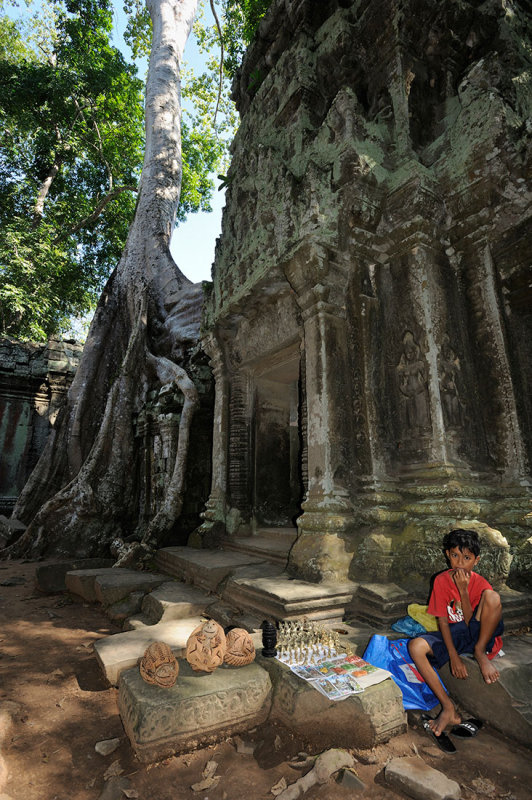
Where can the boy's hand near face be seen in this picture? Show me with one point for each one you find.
(461, 577)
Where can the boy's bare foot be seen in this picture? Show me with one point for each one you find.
(490, 673)
(447, 716)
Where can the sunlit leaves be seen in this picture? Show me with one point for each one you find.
(72, 131)
(71, 122)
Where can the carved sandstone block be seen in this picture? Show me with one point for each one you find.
(197, 710)
(363, 720)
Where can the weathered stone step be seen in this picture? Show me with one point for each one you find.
(275, 549)
(136, 622)
(379, 604)
(507, 704)
(203, 568)
(51, 577)
(174, 600)
(109, 586)
(282, 597)
(516, 609)
(277, 533)
(123, 650)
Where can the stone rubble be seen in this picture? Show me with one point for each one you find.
(107, 746)
(418, 780)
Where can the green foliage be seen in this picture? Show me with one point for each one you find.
(138, 30)
(241, 20)
(72, 133)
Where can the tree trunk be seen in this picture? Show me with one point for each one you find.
(81, 495)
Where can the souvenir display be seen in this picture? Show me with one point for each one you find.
(315, 654)
(206, 647)
(240, 649)
(307, 642)
(159, 665)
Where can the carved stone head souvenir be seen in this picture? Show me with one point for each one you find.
(240, 648)
(206, 647)
(159, 665)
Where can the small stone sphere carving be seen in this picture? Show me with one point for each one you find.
(240, 648)
(159, 665)
(206, 647)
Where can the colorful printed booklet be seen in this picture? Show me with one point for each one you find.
(341, 676)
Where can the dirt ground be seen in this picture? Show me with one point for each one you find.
(55, 706)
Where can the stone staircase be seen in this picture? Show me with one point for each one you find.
(242, 587)
(254, 584)
(273, 544)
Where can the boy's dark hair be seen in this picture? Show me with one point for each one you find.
(461, 538)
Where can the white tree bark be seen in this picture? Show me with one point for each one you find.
(80, 496)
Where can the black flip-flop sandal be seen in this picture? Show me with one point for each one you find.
(443, 741)
(467, 729)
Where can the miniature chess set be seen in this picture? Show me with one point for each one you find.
(305, 642)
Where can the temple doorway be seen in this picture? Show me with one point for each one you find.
(278, 485)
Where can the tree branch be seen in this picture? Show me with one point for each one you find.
(43, 193)
(97, 211)
(220, 83)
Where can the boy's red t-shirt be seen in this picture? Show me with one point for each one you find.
(445, 599)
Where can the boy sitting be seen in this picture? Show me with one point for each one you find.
(469, 621)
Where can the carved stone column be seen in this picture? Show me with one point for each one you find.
(239, 467)
(507, 442)
(323, 550)
(430, 313)
(213, 527)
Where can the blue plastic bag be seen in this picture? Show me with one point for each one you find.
(409, 626)
(393, 655)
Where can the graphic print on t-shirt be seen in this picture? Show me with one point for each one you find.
(454, 611)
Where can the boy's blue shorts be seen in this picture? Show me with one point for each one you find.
(464, 636)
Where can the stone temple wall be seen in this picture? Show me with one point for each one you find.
(34, 379)
(370, 319)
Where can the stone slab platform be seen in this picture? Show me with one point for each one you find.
(274, 549)
(199, 709)
(110, 585)
(123, 650)
(203, 568)
(363, 720)
(283, 597)
(50, 578)
(174, 600)
(507, 704)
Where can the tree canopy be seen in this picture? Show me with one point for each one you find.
(71, 114)
(144, 335)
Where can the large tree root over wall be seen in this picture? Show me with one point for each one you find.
(83, 493)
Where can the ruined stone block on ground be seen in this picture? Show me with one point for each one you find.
(362, 720)
(199, 709)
